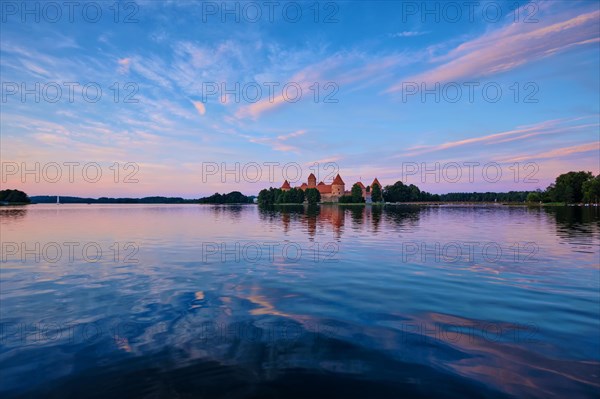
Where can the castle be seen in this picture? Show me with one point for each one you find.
(332, 192)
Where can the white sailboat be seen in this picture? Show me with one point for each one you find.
(57, 200)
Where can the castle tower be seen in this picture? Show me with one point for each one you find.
(375, 182)
(338, 186)
(285, 186)
(312, 181)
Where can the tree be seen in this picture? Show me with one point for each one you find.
(568, 187)
(263, 197)
(534, 197)
(14, 196)
(296, 196)
(234, 197)
(591, 190)
(414, 193)
(269, 197)
(312, 195)
(398, 192)
(376, 193)
(345, 199)
(278, 196)
(356, 193)
(283, 197)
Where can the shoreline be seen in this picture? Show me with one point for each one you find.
(430, 204)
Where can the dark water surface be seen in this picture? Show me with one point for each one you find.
(238, 302)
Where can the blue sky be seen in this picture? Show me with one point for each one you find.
(366, 55)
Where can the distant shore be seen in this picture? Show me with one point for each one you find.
(378, 204)
(461, 203)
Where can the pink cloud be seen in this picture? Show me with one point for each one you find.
(199, 107)
(520, 133)
(279, 143)
(303, 79)
(124, 64)
(557, 153)
(341, 69)
(510, 47)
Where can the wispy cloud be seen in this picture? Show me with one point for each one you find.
(279, 143)
(332, 159)
(123, 65)
(510, 47)
(199, 105)
(343, 69)
(520, 133)
(297, 133)
(409, 33)
(557, 153)
(303, 79)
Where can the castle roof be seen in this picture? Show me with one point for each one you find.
(312, 176)
(360, 184)
(376, 182)
(304, 185)
(338, 180)
(285, 184)
(321, 184)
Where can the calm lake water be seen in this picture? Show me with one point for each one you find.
(239, 302)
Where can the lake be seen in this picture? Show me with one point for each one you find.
(332, 301)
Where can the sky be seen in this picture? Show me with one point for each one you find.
(177, 98)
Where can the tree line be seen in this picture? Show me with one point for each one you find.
(234, 197)
(273, 196)
(570, 188)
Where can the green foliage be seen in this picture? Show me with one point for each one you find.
(268, 197)
(278, 196)
(51, 199)
(400, 192)
(376, 193)
(534, 196)
(568, 187)
(591, 190)
(346, 199)
(312, 195)
(296, 196)
(571, 187)
(511, 196)
(14, 196)
(356, 194)
(234, 197)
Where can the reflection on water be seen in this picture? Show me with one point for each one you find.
(12, 213)
(324, 301)
(577, 222)
(315, 218)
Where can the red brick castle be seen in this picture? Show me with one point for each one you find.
(331, 192)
